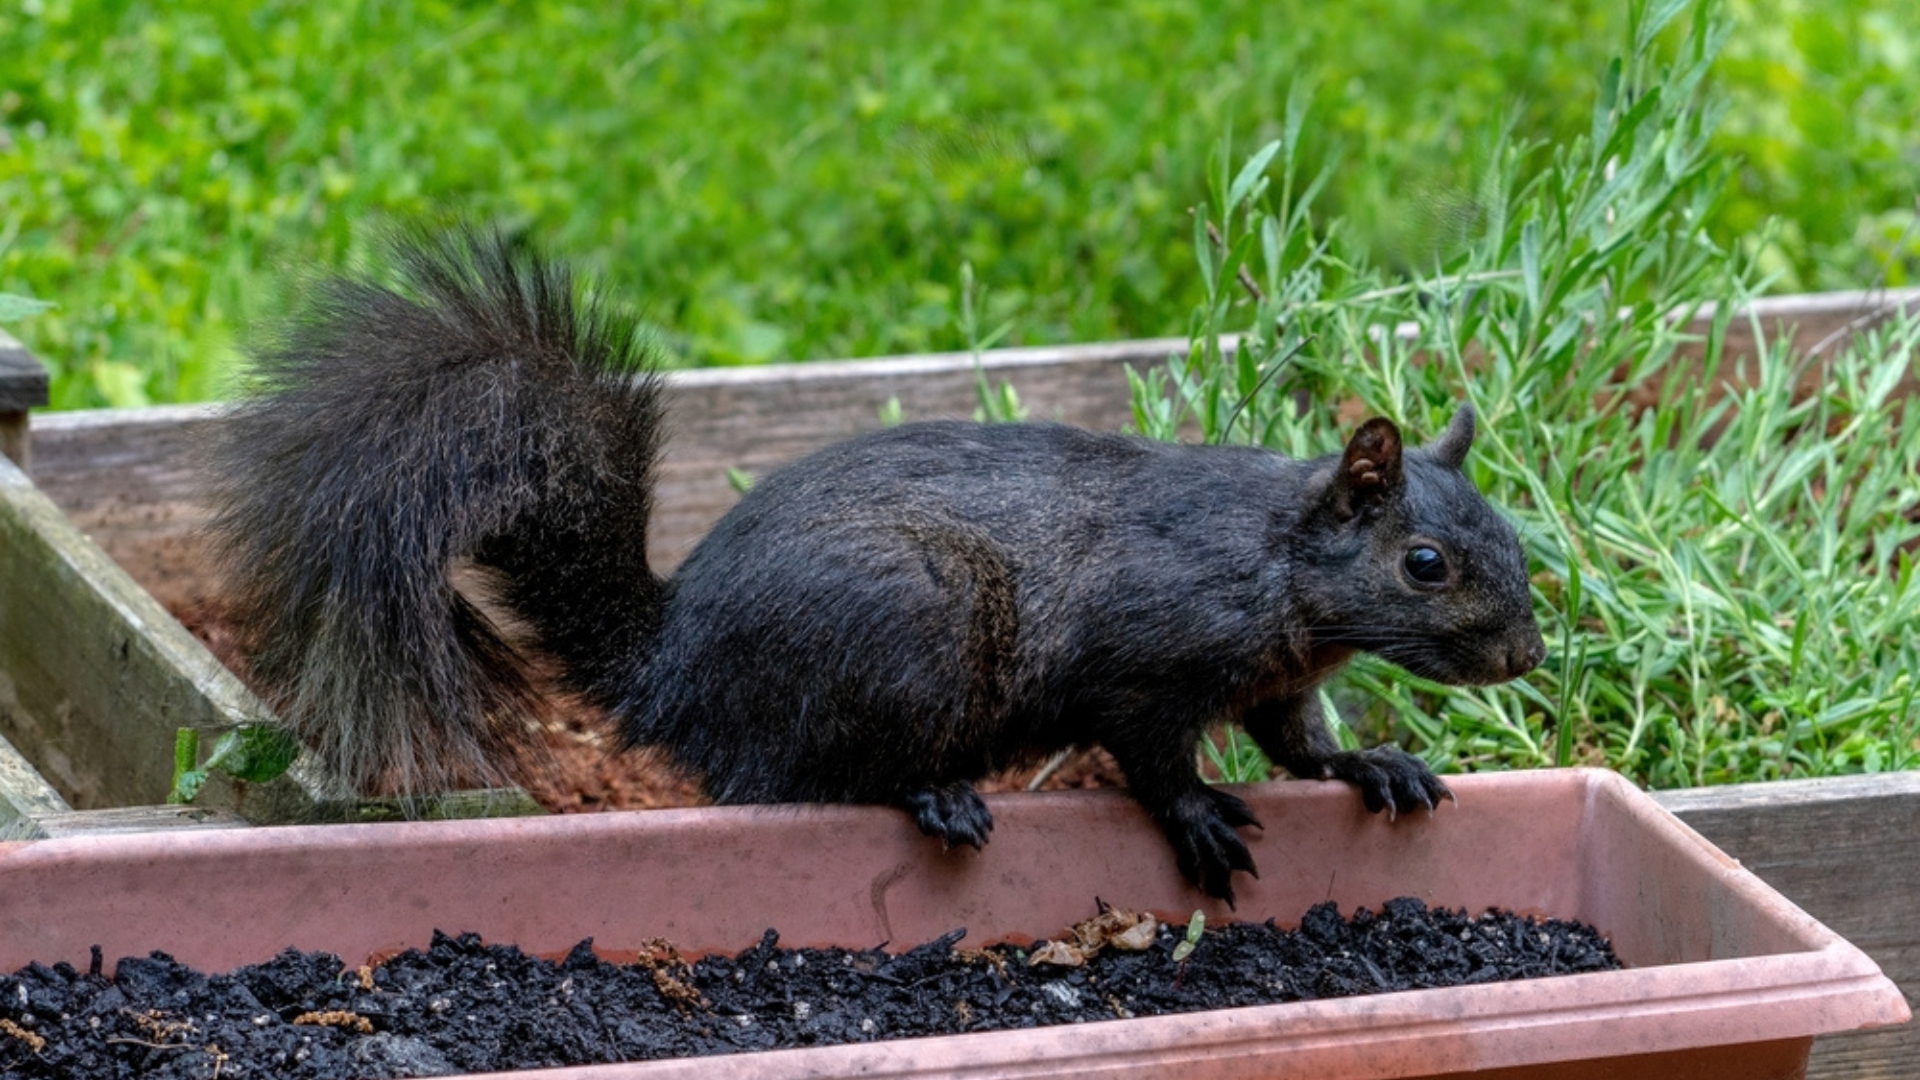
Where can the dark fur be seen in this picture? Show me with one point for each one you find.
(884, 621)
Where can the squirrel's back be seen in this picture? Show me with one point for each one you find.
(950, 598)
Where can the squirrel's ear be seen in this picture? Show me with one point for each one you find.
(1451, 447)
(1370, 469)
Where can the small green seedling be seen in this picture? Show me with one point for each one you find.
(1195, 927)
(255, 753)
(998, 404)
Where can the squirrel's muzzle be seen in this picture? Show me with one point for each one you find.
(1525, 656)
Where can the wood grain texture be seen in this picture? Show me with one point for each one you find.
(1847, 850)
(129, 819)
(130, 481)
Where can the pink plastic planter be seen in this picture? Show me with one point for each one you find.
(1727, 977)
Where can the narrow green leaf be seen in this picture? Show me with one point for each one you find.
(1530, 266)
(14, 306)
(1250, 174)
(1299, 104)
(1304, 201)
(1270, 252)
(1621, 136)
(1654, 19)
(1203, 249)
(1604, 103)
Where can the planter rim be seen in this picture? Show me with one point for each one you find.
(1815, 983)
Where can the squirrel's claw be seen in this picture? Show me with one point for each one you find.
(1206, 846)
(1233, 810)
(1390, 779)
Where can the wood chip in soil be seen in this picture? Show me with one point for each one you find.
(462, 1006)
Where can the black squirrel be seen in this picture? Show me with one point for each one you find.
(884, 621)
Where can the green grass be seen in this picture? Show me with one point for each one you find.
(1726, 582)
(806, 180)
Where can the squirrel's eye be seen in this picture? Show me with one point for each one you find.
(1426, 566)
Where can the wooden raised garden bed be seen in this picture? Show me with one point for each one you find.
(100, 546)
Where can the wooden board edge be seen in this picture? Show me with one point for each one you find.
(1894, 788)
(59, 565)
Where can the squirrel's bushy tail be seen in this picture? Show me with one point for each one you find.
(476, 409)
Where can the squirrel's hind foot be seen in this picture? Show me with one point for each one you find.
(953, 812)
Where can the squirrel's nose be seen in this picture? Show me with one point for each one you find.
(1525, 657)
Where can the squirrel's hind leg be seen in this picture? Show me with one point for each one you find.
(1202, 822)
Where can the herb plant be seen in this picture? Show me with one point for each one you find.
(1724, 540)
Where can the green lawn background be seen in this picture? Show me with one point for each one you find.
(776, 181)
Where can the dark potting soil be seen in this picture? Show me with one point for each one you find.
(462, 1006)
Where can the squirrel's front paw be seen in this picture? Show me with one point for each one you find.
(1389, 779)
(953, 812)
(1206, 846)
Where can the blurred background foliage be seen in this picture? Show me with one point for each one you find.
(774, 181)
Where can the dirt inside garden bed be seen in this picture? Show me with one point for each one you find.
(582, 769)
(466, 1006)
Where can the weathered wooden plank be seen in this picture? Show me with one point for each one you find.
(1818, 322)
(130, 480)
(1847, 850)
(128, 819)
(97, 674)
